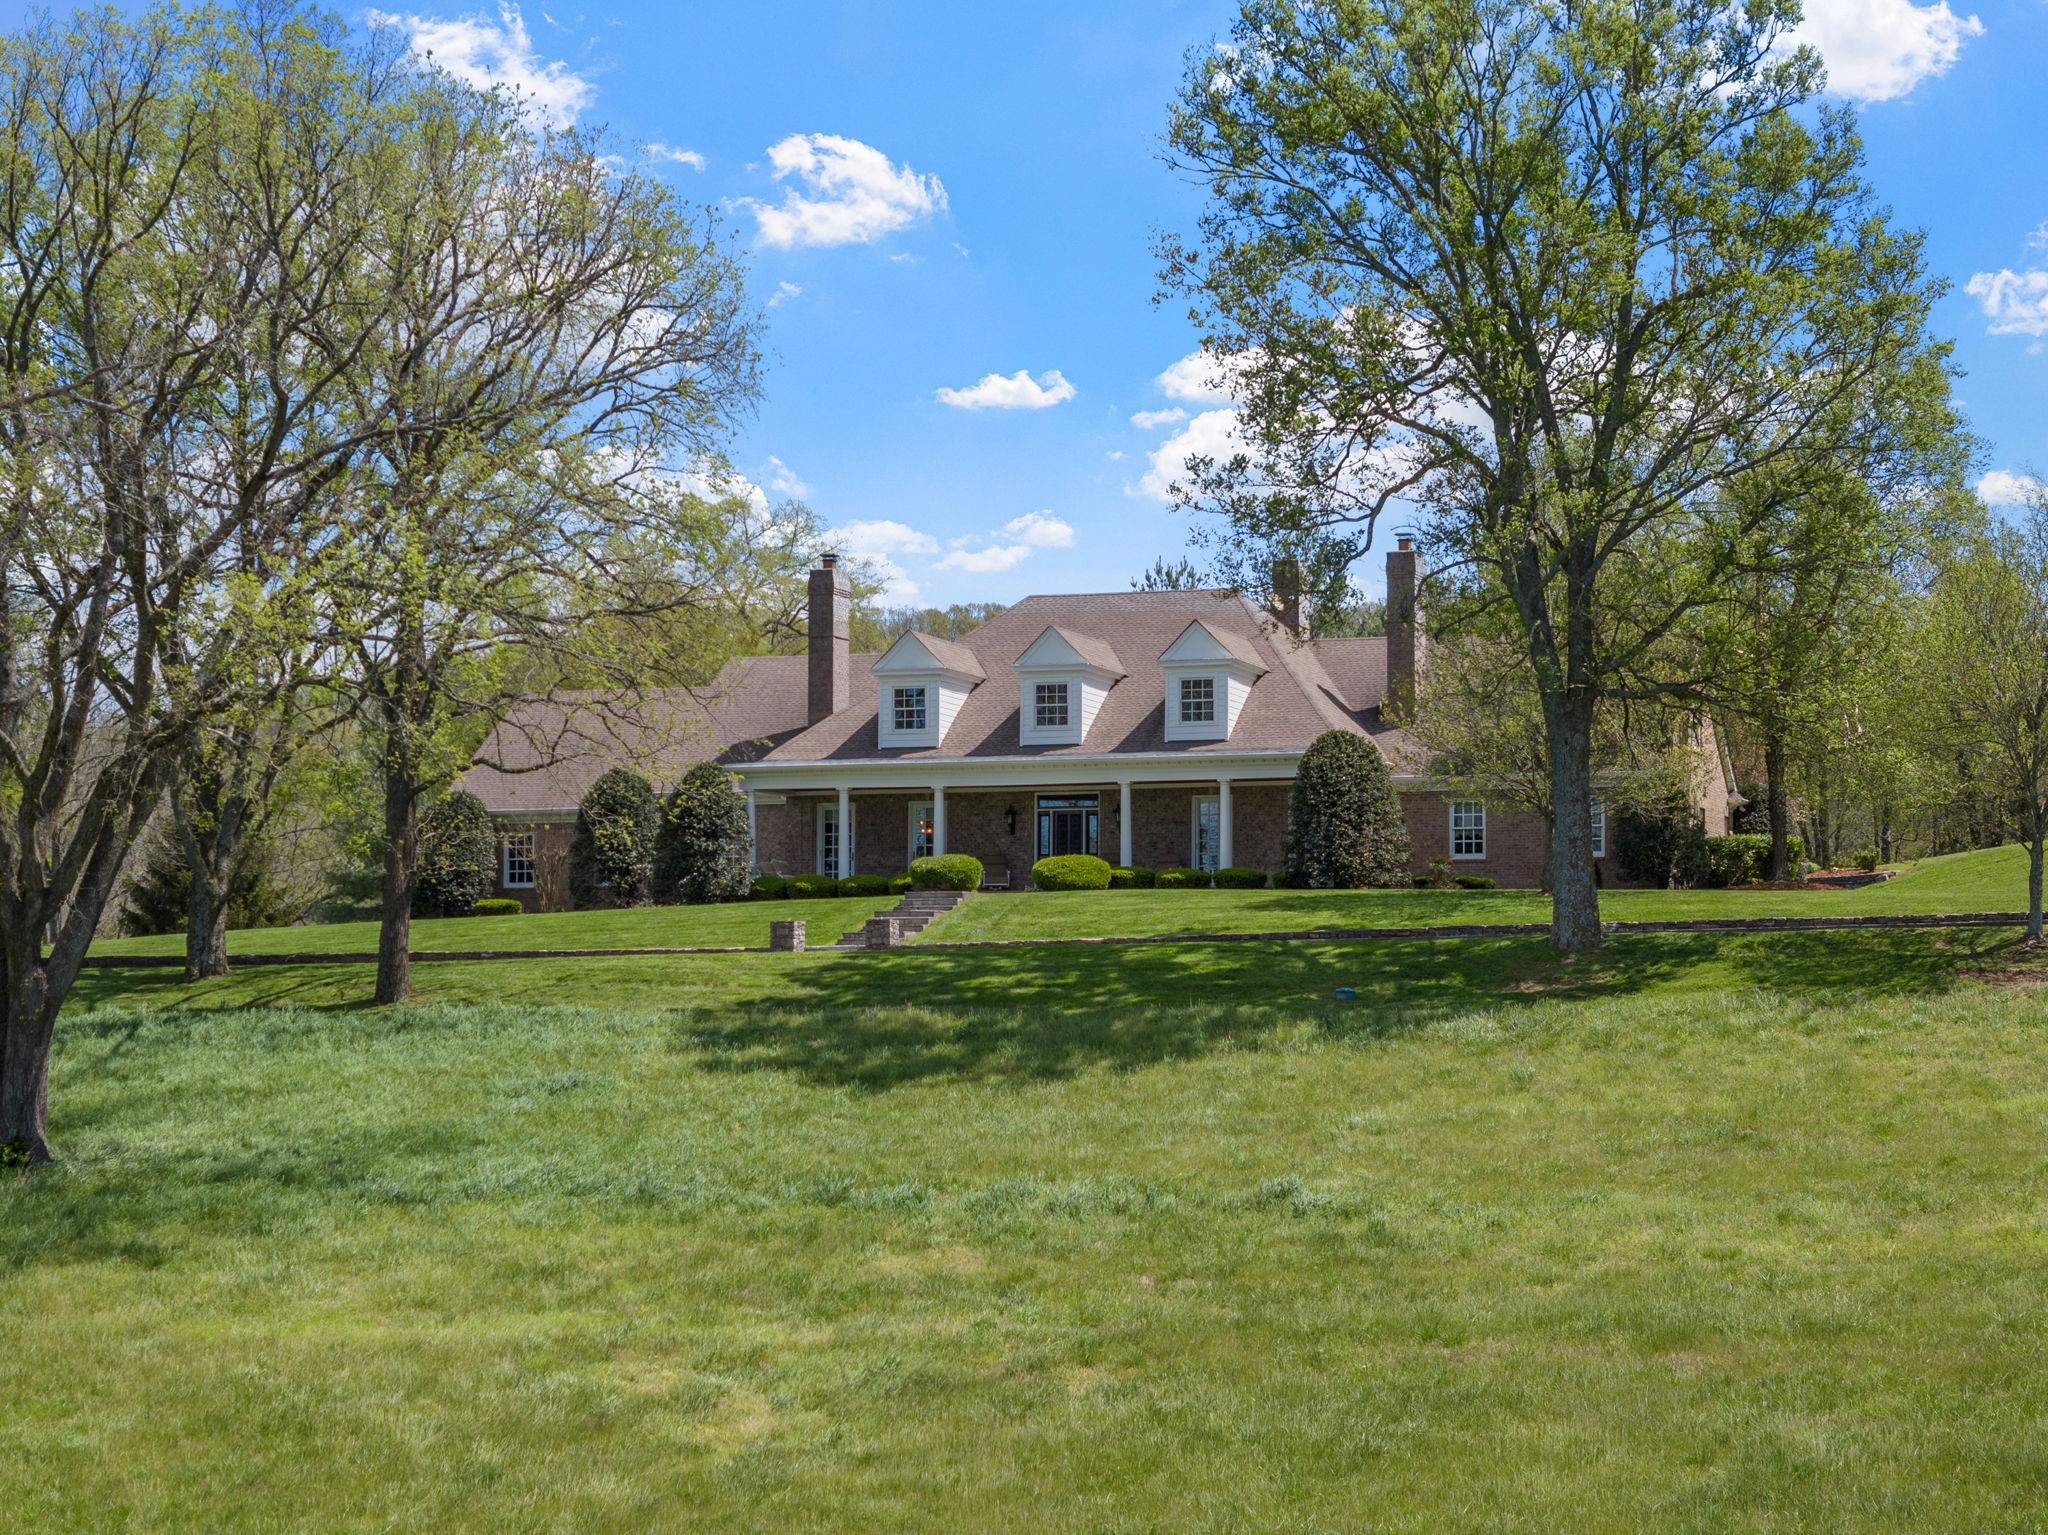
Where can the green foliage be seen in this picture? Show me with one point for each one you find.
(158, 897)
(611, 854)
(702, 852)
(1475, 882)
(1183, 878)
(900, 885)
(1864, 858)
(950, 871)
(458, 857)
(1071, 871)
(864, 884)
(1170, 576)
(1240, 878)
(769, 887)
(811, 886)
(1742, 858)
(1345, 830)
(498, 906)
(878, 629)
(1121, 878)
(1666, 850)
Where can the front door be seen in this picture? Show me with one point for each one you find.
(1067, 823)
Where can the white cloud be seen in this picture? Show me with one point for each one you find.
(1019, 391)
(1041, 530)
(783, 480)
(1212, 434)
(1878, 50)
(2001, 487)
(883, 537)
(1202, 378)
(982, 562)
(2016, 303)
(784, 292)
(852, 193)
(490, 54)
(689, 157)
(1148, 420)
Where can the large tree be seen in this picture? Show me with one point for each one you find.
(1550, 275)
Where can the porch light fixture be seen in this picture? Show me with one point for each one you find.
(1010, 819)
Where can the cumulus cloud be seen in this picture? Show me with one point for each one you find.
(2016, 303)
(689, 157)
(496, 53)
(2001, 487)
(851, 194)
(1041, 530)
(1149, 420)
(783, 480)
(784, 292)
(883, 536)
(1211, 434)
(982, 562)
(1878, 50)
(1201, 378)
(1019, 391)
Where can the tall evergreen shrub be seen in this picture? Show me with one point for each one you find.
(158, 898)
(701, 853)
(611, 855)
(1344, 824)
(458, 857)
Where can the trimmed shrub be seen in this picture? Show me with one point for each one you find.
(864, 884)
(1864, 858)
(810, 887)
(1736, 859)
(1663, 851)
(768, 887)
(1121, 878)
(900, 885)
(499, 906)
(611, 855)
(1474, 882)
(1344, 825)
(1183, 879)
(458, 857)
(701, 852)
(1240, 879)
(1071, 871)
(949, 871)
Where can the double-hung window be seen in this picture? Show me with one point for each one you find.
(1051, 705)
(1599, 829)
(516, 855)
(1197, 700)
(908, 708)
(1468, 829)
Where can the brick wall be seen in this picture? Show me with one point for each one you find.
(550, 891)
(1515, 842)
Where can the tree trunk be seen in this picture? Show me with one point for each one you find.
(206, 924)
(2037, 836)
(1777, 807)
(1575, 900)
(25, 1032)
(401, 863)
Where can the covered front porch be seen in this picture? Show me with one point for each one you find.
(878, 819)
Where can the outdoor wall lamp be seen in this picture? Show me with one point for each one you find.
(1010, 819)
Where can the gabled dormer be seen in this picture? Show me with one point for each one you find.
(1062, 679)
(1209, 675)
(922, 681)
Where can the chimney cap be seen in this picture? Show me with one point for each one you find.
(827, 560)
(1404, 542)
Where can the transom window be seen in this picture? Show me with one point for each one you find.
(1067, 823)
(517, 854)
(909, 708)
(1599, 829)
(1197, 700)
(1051, 704)
(1468, 829)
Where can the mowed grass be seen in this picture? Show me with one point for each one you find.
(1706, 1234)
(1992, 880)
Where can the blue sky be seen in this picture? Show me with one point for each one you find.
(938, 195)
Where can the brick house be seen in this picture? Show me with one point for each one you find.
(1150, 728)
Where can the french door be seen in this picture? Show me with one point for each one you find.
(1067, 823)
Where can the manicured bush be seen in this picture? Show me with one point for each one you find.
(1664, 850)
(611, 854)
(900, 885)
(1240, 879)
(1736, 859)
(1344, 825)
(864, 884)
(702, 852)
(1121, 878)
(499, 906)
(949, 871)
(1183, 879)
(768, 887)
(1071, 871)
(458, 857)
(1864, 858)
(1474, 882)
(803, 887)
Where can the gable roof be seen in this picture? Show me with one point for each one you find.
(947, 655)
(1199, 642)
(1083, 649)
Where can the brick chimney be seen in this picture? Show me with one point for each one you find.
(1287, 594)
(1404, 628)
(831, 639)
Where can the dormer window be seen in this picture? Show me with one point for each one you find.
(1210, 673)
(1197, 700)
(1050, 710)
(909, 709)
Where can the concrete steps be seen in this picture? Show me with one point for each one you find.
(903, 921)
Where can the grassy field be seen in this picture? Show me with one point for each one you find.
(1724, 1233)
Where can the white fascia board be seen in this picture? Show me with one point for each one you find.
(1004, 772)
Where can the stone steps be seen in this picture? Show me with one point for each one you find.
(909, 917)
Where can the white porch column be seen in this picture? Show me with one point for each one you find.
(753, 835)
(1225, 852)
(845, 834)
(939, 820)
(1123, 822)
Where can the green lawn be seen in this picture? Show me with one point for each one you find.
(1699, 1233)
(1987, 881)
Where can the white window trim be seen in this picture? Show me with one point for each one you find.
(1040, 703)
(1195, 804)
(917, 821)
(924, 708)
(828, 815)
(1599, 828)
(532, 841)
(1451, 826)
(1181, 700)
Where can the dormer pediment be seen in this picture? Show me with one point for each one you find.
(1199, 645)
(926, 655)
(1058, 650)
(1209, 676)
(1062, 679)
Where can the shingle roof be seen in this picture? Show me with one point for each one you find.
(1099, 654)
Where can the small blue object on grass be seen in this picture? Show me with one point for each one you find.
(1347, 993)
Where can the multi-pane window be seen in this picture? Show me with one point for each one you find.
(1207, 846)
(1197, 700)
(516, 851)
(1468, 829)
(1599, 829)
(828, 841)
(1051, 703)
(920, 830)
(909, 708)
